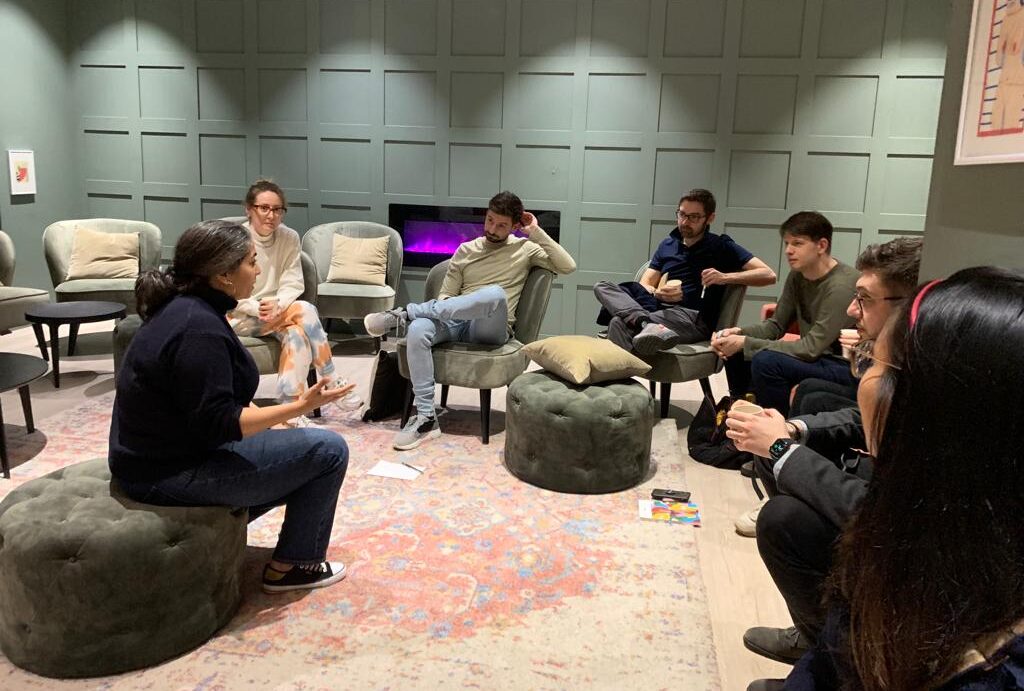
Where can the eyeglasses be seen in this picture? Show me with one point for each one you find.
(266, 209)
(692, 218)
(861, 299)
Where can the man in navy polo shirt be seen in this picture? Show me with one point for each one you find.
(680, 294)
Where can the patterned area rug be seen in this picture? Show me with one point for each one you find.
(464, 577)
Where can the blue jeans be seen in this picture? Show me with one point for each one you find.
(301, 469)
(771, 375)
(478, 317)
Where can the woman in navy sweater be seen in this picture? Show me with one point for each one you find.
(184, 429)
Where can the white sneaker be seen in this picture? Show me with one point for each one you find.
(350, 401)
(746, 524)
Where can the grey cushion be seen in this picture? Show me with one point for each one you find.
(93, 583)
(14, 302)
(585, 439)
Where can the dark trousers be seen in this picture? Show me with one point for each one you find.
(821, 396)
(629, 308)
(771, 375)
(796, 543)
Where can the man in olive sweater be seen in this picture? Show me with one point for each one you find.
(816, 294)
(477, 302)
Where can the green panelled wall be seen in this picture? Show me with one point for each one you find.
(604, 109)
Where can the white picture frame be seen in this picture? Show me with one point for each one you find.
(21, 163)
(991, 127)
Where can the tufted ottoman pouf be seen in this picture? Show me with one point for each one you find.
(583, 439)
(93, 583)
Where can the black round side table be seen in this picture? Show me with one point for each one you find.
(74, 314)
(17, 371)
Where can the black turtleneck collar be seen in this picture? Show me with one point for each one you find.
(222, 302)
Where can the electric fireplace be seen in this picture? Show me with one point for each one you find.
(431, 234)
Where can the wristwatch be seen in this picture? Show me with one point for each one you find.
(779, 448)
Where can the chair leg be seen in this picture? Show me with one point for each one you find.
(485, 415)
(705, 386)
(407, 408)
(666, 397)
(72, 338)
(654, 388)
(310, 381)
(444, 395)
(757, 488)
(376, 345)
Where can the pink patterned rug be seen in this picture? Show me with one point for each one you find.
(464, 577)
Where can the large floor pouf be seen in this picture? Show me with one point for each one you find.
(93, 583)
(586, 439)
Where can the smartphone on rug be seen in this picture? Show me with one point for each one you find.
(670, 495)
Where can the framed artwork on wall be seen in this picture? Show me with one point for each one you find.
(992, 106)
(22, 165)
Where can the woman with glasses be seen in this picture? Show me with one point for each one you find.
(927, 591)
(274, 309)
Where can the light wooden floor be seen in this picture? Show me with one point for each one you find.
(740, 592)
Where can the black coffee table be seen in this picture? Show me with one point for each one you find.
(76, 313)
(17, 371)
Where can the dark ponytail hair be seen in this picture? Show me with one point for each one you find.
(205, 250)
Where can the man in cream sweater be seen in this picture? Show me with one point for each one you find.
(477, 303)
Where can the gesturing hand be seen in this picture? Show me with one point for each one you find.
(318, 396)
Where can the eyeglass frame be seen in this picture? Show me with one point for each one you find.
(861, 299)
(692, 218)
(266, 209)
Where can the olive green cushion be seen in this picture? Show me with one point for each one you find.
(585, 359)
(586, 439)
(93, 583)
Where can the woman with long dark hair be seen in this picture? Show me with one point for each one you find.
(928, 588)
(184, 430)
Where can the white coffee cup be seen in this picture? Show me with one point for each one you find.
(746, 407)
(848, 334)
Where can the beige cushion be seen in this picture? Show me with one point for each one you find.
(103, 255)
(584, 360)
(359, 260)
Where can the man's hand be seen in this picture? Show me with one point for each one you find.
(669, 293)
(727, 342)
(527, 223)
(756, 433)
(713, 277)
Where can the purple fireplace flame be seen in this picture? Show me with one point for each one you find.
(439, 237)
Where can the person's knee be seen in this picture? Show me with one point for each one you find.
(330, 448)
(768, 363)
(776, 520)
(603, 285)
(494, 293)
(419, 333)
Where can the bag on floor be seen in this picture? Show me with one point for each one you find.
(706, 438)
(387, 389)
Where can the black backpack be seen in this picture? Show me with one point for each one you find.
(388, 389)
(706, 438)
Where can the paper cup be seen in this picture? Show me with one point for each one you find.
(746, 407)
(674, 283)
(848, 333)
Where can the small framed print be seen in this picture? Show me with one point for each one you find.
(22, 164)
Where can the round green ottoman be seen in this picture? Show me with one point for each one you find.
(583, 439)
(93, 583)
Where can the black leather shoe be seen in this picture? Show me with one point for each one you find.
(782, 645)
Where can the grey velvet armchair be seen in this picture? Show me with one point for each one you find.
(350, 300)
(687, 362)
(480, 366)
(58, 241)
(14, 301)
